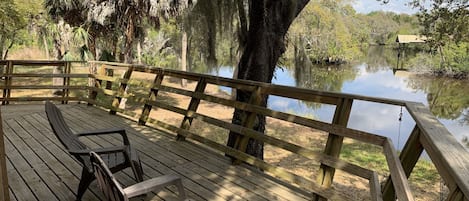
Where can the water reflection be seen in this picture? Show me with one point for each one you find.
(446, 98)
(374, 77)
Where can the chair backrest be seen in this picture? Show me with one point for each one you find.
(61, 129)
(107, 183)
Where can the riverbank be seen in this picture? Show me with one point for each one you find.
(455, 75)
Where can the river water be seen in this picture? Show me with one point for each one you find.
(448, 99)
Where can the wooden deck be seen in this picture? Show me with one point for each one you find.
(40, 169)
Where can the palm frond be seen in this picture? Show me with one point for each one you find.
(80, 36)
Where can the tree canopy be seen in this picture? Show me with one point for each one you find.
(446, 24)
(11, 22)
(121, 18)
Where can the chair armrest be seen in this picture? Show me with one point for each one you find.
(154, 184)
(108, 131)
(104, 150)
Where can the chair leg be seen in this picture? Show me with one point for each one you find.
(181, 191)
(137, 169)
(85, 181)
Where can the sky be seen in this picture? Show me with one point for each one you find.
(397, 6)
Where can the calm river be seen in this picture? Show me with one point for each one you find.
(448, 99)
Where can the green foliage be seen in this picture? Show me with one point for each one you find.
(325, 33)
(446, 24)
(445, 21)
(330, 31)
(11, 22)
(443, 95)
(80, 36)
(452, 60)
(424, 62)
(161, 47)
(457, 56)
(372, 157)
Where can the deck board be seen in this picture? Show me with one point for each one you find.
(59, 161)
(39, 168)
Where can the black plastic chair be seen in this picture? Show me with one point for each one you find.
(116, 158)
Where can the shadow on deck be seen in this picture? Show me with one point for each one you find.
(40, 169)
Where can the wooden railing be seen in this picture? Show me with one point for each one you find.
(21, 75)
(105, 90)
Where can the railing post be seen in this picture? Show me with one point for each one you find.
(152, 97)
(121, 91)
(66, 82)
(109, 73)
(249, 122)
(4, 194)
(8, 81)
(93, 83)
(192, 108)
(334, 143)
(409, 156)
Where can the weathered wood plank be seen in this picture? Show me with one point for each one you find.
(153, 93)
(45, 136)
(398, 176)
(121, 90)
(31, 150)
(4, 195)
(27, 171)
(409, 156)
(52, 152)
(334, 142)
(375, 188)
(192, 107)
(12, 197)
(18, 187)
(448, 155)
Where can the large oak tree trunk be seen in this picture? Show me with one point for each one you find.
(269, 21)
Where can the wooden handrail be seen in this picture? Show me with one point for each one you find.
(449, 157)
